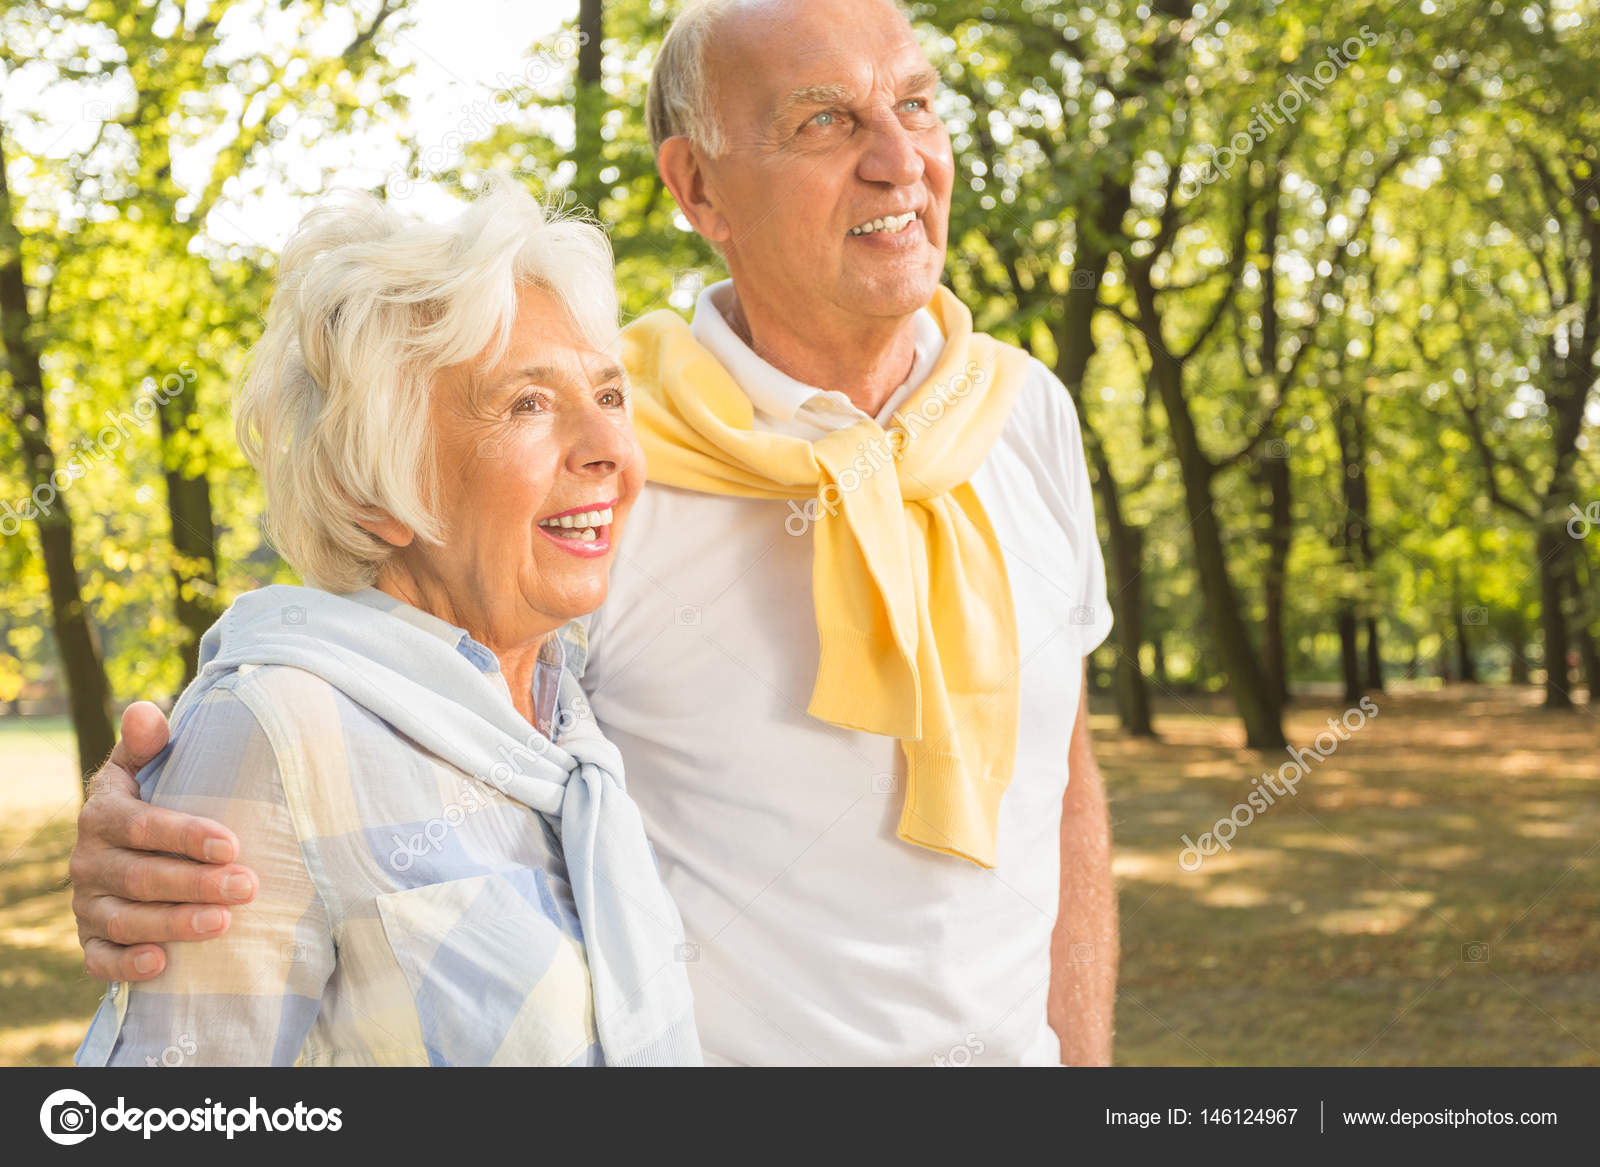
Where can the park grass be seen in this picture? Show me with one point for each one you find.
(1428, 897)
(45, 998)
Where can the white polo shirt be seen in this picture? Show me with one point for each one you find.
(816, 936)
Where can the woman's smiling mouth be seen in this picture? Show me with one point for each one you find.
(584, 531)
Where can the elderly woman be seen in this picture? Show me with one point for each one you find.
(451, 870)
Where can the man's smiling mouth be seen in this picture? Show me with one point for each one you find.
(890, 224)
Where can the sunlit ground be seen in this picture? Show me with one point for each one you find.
(1429, 897)
(45, 999)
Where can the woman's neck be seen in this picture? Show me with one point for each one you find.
(518, 656)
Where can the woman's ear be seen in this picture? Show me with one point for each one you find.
(388, 528)
(683, 171)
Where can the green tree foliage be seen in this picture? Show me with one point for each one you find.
(1323, 283)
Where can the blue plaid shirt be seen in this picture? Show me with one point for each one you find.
(408, 915)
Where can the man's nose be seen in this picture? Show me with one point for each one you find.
(891, 155)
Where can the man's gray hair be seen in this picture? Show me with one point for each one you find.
(371, 305)
(680, 102)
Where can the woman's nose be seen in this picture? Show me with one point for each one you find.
(600, 443)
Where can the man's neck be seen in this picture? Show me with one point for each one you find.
(866, 360)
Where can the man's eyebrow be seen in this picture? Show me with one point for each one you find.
(809, 95)
(814, 95)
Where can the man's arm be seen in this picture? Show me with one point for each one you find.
(141, 875)
(1083, 949)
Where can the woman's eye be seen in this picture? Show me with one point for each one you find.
(613, 395)
(532, 403)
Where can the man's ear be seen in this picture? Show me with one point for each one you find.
(388, 528)
(681, 167)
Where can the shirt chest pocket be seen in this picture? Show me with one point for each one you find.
(496, 980)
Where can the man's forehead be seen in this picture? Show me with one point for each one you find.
(776, 49)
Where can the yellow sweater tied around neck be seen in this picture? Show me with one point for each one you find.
(914, 611)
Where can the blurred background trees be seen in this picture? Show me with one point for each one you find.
(1324, 284)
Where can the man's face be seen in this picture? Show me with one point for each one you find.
(827, 117)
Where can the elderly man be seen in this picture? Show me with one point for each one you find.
(843, 649)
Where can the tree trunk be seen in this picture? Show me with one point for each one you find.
(1158, 652)
(1127, 604)
(1349, 656)
(1374, 657)
(1552, 553)
(1075, 346)
(88, 692)
(1466, 666)
(1517, 644)
(1256, 701)
(1274, 472)
(589, 106)
(193, 531)
(1582, 636)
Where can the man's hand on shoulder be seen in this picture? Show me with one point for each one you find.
(142, 875)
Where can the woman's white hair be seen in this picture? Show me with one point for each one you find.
(370, 307)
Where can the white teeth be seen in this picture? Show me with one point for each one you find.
(582, 521)
(587, 535)
(892, 224)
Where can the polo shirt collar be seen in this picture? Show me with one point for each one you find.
(772, 391)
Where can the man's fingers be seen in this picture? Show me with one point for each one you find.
(159, 879)
(105, 961)
(144, 735)
(121, 820)
(131, 924)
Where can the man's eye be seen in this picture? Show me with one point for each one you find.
(826, 118)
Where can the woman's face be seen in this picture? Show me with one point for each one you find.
(537, 468)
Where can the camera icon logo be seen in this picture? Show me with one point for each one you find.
(294, 614)
(67, 1117)
(686, 953)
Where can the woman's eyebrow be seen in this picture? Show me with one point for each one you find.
(538, 374)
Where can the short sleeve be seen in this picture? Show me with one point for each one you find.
(1073, 502)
